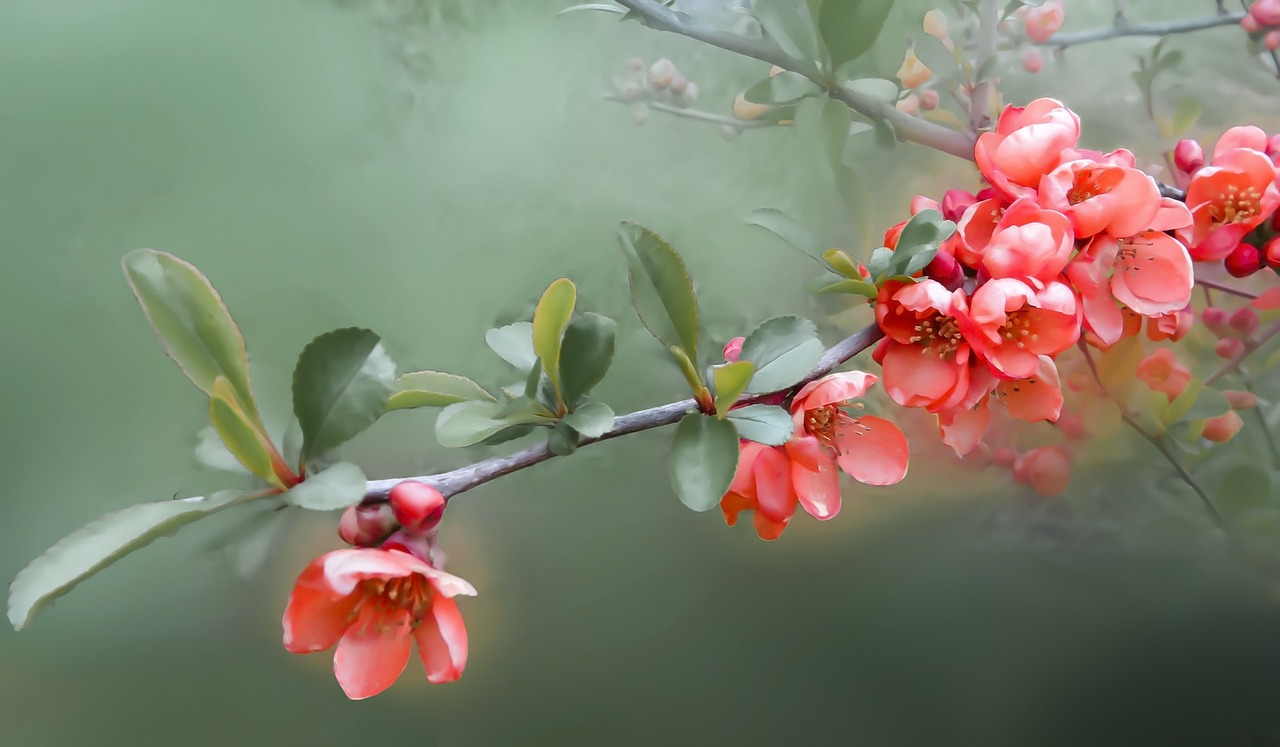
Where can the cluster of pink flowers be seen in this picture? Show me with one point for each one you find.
(1233, 200)
(376, 599)
(1065, 242)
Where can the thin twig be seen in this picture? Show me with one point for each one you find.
(909, 128)
(1250, 347)
(1206, 283)
(465, 478)
(1266, 431)
(980, 99)
(1062, 41)
(695, 114)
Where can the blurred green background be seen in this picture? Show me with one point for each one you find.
(425, 169)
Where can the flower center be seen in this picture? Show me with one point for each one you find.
(1085, 187)
(386, 602)
(938, 333)
(1234, 206)
(822, 423)
(1017, 329)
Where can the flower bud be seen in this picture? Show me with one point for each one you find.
(366, 525)
(1228, 348)
(1032, 60)
(1044, 21)
(661, 74)
(1188, 156)
(1215, 318)
(690, 95)
(733, 349)
(1271, 253)
(1250, 24)
(955, 202)
(1072, 425)
(1222, 428)
(1265, 12)
(1244, 320)
(910, 104)
(935, 25)
(1273, 148)
(679, 83)
(1047, 468)
(1004, 456)
(946, 270)
(417, 505)
(1272, 40)
(1244, 260)
(929, 100)
(1241, 399)
(635, 64)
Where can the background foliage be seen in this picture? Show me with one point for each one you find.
(426, 173)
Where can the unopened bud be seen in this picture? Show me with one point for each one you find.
(946, 270)
(1004, 456)
(367, 525)
(1228, 348)
(661, 74)
(733, 349)
(1244, 260)
(1215, 318)
(935, 25)
(1272, 40)
(1032, 60)
(1047, 468)
(417, 505)
(955, 202)
(1265, 12)
(635, 64)
(747, 110)
(679, 84)
(910, 104)
(1188, 156)
(1044, 21)
(929, 100)
(1244, 320)
(1222, 428)
(1241, 399)
(1271, 252)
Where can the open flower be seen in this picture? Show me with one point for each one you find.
(1028, 143)
(1098, 197)
(924, 357)
(1232, 196)
(1028, 242)
(1012, 324)
(373, 604)
(1149, 272)
(774, 480)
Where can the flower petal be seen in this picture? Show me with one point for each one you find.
(775, 495)
(442, 641)
(818, 490)
(316, 616)
(872, 450)
(833, 389)
(371, 656)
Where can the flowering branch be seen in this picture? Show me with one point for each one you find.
(911, 129)
(1123, 28)
(1250, 347)
(465, 478)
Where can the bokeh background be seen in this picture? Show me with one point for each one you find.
(425, 168)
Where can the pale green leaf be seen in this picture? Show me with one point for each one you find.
(767, 424)
(340, 485)
(704, 456)
(433, 389)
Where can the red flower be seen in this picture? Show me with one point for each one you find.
(373, 603)
(924, 356)
(1011, 324)
(1027, 144)
(1231, 197)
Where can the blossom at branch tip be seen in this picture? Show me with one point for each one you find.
(1231, 196)
(773, 481)
(1101, 197)
(1028, 143)
(1010, 324)
(373, 603)
(1028, 242)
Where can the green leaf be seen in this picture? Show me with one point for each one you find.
(586, 354)
(784, 88)
(786, 228)
(433, 389)
(935, 56)
(886, 136)
(591, 419)
(919, 242)
(192, 322)
(550, 318)
(513, 343)
(341, 386)
(825, 122)
(467, 423)
(842, 263)
(704, 456)
(661, 288)
(767, 424)
(101, 543)
(1243, 489)
(338, 486)
(856, 287)
(242, 438)
(785, 349)
(731, 380)
(784, 23)
(849, 27)
(1184, 116)
(563, 440)
(875, 89)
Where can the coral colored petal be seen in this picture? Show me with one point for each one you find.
(775, 495)
(368, 663)
(833, 389)
(915, 377)
(818, 490)
(1155, 275)
(1036, 398)
(872, 451)
(344, 569)
(733, 504)
(1103, 316)
(1267, 300)
(767, 529)
(442, 642)
(808, 452)
(315, 617)
(963, 429)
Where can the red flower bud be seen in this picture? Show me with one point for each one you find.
(1004, 456)
(1271, 252)
(417, 506)
(1244, 260)
(1188, 156)
(946, 270)
(1047, 468)
(1032, 60)
(733, 349)
(1240, 399)
(1222, 428)
(929, 100)
(366, 526)
(955, 202)
(1244, 320)
(1215, 318)
(1229, 347)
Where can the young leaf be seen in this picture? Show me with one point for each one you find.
(704, 456)
(433, 389)
(513, 343)
(783, 88)
(341, 385)
(785, 349)
(591, 419)
(563, 440)
(585, 355)
(211, 452)
(467, 423)
(731, 381)
(786, 228)
(842, 263)
(101, 543)
(661, 289)
(192, 322)
(338, 486)
(919, 241)
(875, 89)
(850, 27)
(242, 438)
(766, 424)
(550, 318)
(856, 287)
